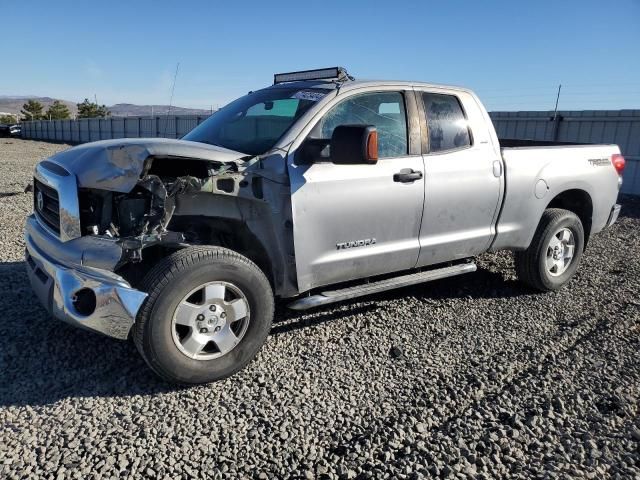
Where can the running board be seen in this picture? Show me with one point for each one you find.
(332, 296)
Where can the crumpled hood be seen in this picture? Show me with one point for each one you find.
(116, 165)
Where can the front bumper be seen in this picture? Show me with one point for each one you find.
(81, 295)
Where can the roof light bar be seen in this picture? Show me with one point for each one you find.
(334, 73)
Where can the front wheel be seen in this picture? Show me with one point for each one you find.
(555, 251)
(208, 313)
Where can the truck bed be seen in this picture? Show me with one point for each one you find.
(536, 172)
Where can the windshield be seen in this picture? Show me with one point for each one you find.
(253, 124)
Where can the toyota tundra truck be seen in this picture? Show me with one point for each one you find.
(317, 189)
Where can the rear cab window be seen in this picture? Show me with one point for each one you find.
(446, 123)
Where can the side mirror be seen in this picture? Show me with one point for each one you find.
(354, 144)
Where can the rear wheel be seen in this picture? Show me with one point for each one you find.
(555, 251)
(208, 313)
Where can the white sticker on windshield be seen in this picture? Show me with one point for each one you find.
(307, 95)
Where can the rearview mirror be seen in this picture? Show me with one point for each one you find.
(354, 144)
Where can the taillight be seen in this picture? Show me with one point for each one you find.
(618, 162)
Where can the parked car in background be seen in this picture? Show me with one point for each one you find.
(319, 188)
(10, 130)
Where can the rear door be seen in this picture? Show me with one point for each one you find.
(464, 177)
(355, 221)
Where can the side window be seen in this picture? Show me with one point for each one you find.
(384, 110)
(448, 128)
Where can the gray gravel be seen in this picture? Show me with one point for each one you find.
(469, 377)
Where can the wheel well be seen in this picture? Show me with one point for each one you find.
(224, 232)
(578, 202)
(134, 273)
(221, 232)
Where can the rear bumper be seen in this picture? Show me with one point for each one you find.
(613, 216)
(86, 297)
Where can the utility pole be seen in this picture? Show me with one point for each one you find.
(556, 120)
(555, 112)
(173, 87)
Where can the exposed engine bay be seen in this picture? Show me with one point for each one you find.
(142, 217)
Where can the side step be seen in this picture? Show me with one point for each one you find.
(332, 296)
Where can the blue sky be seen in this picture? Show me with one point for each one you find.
(513, 53)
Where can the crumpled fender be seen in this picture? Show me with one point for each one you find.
(116, 165)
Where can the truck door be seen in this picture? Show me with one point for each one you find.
(463, 180)
(354, 221)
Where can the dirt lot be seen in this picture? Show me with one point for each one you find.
(475, 376)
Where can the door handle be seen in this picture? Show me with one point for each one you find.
(497, 168)
(407, 175)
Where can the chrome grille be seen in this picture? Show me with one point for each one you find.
(46, 204)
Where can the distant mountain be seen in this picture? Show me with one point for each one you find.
(13, 104)
(18, 96)
(129, 109)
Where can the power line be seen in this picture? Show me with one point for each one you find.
(617, 93)
(512, 88)
(575, 97)
(610, 98)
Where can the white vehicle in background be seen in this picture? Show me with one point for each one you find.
(319, 188)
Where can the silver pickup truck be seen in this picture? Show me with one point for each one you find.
(316, 189)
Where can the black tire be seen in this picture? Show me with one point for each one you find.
(169, 281)
(531, 263)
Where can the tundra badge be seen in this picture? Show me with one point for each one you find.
(356, 243)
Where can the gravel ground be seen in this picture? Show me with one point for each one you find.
(475, 376)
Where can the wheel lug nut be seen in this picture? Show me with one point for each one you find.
(203, 330)
(217, 329)
(223, 315)
(212, 308)
(200, 317)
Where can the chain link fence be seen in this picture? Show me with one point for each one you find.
(86, 130)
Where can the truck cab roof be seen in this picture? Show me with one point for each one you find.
(354, 84)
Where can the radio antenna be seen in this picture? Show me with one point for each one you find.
(173, 87)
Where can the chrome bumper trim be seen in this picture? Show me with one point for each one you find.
(67, 190)
(56, 285)
(613, 216)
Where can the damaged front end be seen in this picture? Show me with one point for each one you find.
(122, 205)
(140, 218)
(105, 212)
(127, 189)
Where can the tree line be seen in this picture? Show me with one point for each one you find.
(34, 110)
